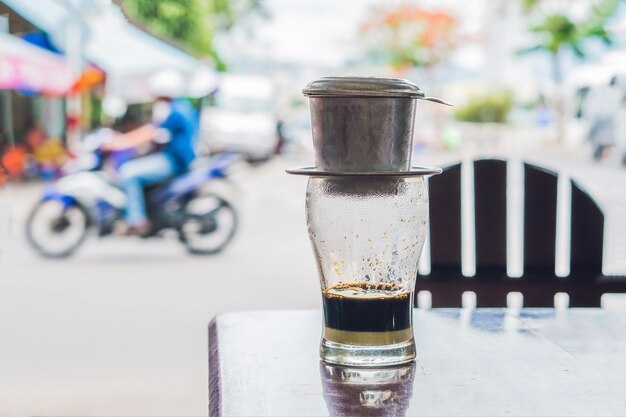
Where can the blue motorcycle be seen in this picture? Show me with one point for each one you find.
(89, 199)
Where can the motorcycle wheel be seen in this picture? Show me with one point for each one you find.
(209, 224)
(56, 231)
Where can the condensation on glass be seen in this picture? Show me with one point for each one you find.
(367, 235)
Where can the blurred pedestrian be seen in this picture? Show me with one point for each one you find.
(173, 132)
(603, 104)
(280, 137)
(543, 116)
(35, 136)
(620, 118)
(601, 135)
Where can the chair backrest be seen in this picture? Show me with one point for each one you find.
(539, 283)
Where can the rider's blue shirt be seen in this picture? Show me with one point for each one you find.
(182, 123)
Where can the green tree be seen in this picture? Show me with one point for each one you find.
(193, 23)
(557, 33)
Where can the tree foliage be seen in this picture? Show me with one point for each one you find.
(193, 23)
(408, 36)
(491, 107)
(556, 31)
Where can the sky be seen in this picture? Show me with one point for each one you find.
(325, 32)
(303, 32)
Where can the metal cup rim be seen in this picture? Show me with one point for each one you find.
(415, 171)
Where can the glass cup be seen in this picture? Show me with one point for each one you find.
(367, 234)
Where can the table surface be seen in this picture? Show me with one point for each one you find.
(469, 362)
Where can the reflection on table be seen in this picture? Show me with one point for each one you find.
(367, 392)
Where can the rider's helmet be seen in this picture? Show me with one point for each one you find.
(167, 84)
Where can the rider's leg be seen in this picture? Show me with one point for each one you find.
(137, 173)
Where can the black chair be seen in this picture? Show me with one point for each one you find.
(539, 283)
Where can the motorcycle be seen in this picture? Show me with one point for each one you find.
(88, 198)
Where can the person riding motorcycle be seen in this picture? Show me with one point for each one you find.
(174, 128)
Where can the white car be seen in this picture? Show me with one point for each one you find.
(242, 119)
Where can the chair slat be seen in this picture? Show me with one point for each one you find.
(539, 283)
(490, 215)
(444, 192)
(587, 235)
(540, 211)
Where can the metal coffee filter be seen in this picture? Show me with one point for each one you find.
(363, 126)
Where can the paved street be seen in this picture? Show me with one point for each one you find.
(121, 328)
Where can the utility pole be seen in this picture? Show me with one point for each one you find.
(5, 103)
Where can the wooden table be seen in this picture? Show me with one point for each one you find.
(470, 362)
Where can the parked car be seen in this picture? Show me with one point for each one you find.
(242, 118)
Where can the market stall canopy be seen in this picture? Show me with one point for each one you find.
(24, 66)
(127, 54)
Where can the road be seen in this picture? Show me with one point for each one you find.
(121, 328)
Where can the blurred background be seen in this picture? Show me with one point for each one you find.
(120, 327)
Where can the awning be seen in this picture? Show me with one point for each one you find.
(127, 54)
(24, 66)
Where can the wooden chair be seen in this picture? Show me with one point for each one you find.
(539, 283)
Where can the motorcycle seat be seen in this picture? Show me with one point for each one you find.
(148, 188)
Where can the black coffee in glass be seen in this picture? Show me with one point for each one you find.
(363, 313)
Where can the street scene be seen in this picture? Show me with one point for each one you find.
(121, 328)
(144, 148)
